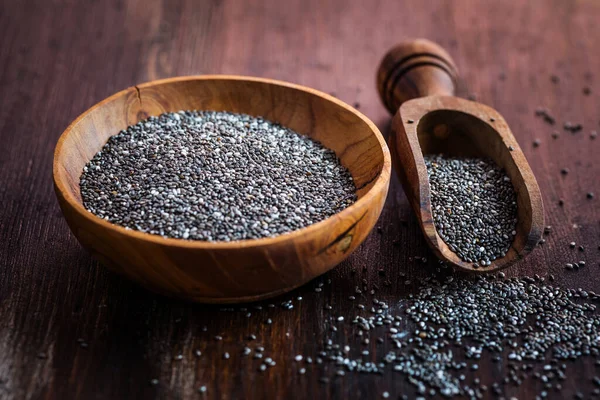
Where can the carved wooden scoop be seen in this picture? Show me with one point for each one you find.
(416, 82)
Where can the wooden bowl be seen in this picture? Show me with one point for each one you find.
(227, 272)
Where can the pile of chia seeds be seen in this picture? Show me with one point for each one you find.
(214, 176)
(534, 329)
(439, 338)
(474, 207)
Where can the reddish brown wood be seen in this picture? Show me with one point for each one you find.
(418, 76)
(413, 69)
(58, 58)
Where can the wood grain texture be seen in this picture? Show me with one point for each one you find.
(239, 271)
(59, 57)
(412, 69)
(418, 77)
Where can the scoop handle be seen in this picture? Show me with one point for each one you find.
(416, 68)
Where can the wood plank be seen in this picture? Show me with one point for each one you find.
(59, 57)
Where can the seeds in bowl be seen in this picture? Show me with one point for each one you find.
(214, 176)
(474, 207)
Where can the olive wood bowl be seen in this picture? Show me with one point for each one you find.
(238, 271)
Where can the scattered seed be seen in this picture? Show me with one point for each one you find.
(573, 128)
(545, 114)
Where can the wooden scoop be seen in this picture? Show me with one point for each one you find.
(416, 82)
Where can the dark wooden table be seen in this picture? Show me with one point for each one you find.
(57, 58)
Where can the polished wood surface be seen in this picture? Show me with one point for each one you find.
(227, 272)
(60, 57)
(418, 77)
(412, 69)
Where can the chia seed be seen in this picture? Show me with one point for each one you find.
(214, 176)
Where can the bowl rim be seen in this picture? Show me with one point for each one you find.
(381, 183)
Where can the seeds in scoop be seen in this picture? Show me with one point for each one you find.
(214, 176)
(474, 207)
